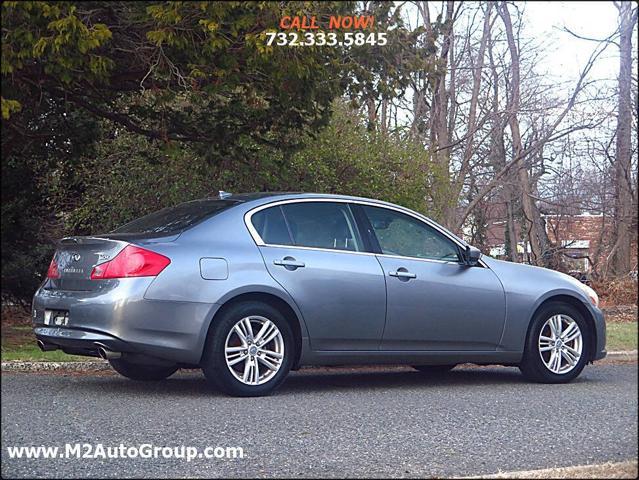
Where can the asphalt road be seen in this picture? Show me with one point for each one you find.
(346, 422)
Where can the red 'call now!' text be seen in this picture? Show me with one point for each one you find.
(335, 22)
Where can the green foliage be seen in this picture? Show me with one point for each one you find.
(57, 139)
(166, 72)
(140, 176)
(9, 106)
(53, 35)
(384, 71)
(211, 55)
(346, 158)
(136, 176)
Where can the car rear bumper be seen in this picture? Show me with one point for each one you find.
(119, 318)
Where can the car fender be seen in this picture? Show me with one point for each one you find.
(268, 290)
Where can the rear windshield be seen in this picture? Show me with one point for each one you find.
(176, 219)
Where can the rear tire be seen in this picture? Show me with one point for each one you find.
(434, 369)
(137, 371)
(542, 345)
(250, 350)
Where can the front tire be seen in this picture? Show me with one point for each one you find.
(557, 347)
(137, 371)
(250, 350)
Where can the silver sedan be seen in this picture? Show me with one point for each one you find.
(248, 287)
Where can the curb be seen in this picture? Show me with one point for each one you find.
(622, 355)
(627, 469)
(103, 365)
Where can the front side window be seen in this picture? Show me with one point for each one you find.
(406, 236)
(322, 225)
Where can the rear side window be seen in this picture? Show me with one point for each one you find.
(175, 219)
(322, 225)
(271, 226)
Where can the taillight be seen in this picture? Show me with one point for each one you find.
(53, 271)
(131, 262)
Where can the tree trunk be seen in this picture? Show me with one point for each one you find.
(498, 153)
(534, 225)
(383, 127)
(623, 196)
(469, 150)
(438, 128)
(371, 110)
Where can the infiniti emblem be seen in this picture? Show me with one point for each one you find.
(76, 257)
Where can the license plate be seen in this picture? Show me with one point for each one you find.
(57, 318)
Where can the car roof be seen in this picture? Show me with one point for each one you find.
(257, 198)
(249, 201)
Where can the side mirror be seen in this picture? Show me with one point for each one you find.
(472, 256)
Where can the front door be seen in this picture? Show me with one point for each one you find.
(434, 301)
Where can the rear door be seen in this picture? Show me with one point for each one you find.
(314, 251)
(434, 301)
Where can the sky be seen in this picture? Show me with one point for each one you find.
(590, 19)
(564, 56)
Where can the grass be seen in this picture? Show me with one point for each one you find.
(34, 354)
(621, 336)
(18, 343)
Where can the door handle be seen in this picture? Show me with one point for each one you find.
(402, 273)
(289, 263)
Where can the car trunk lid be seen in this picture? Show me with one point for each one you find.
(75, 258)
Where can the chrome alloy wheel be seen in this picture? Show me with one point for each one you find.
(254, 358)
(560, 344)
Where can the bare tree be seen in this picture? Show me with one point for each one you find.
(535, 229)
(623, 177)
(493, 124)
(498, 154)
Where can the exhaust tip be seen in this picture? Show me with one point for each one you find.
(46, 347)
(108, 354)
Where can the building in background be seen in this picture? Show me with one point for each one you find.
(583, 240)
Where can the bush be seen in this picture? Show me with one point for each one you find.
(346, 158)
(617, 291)
(130, 176)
